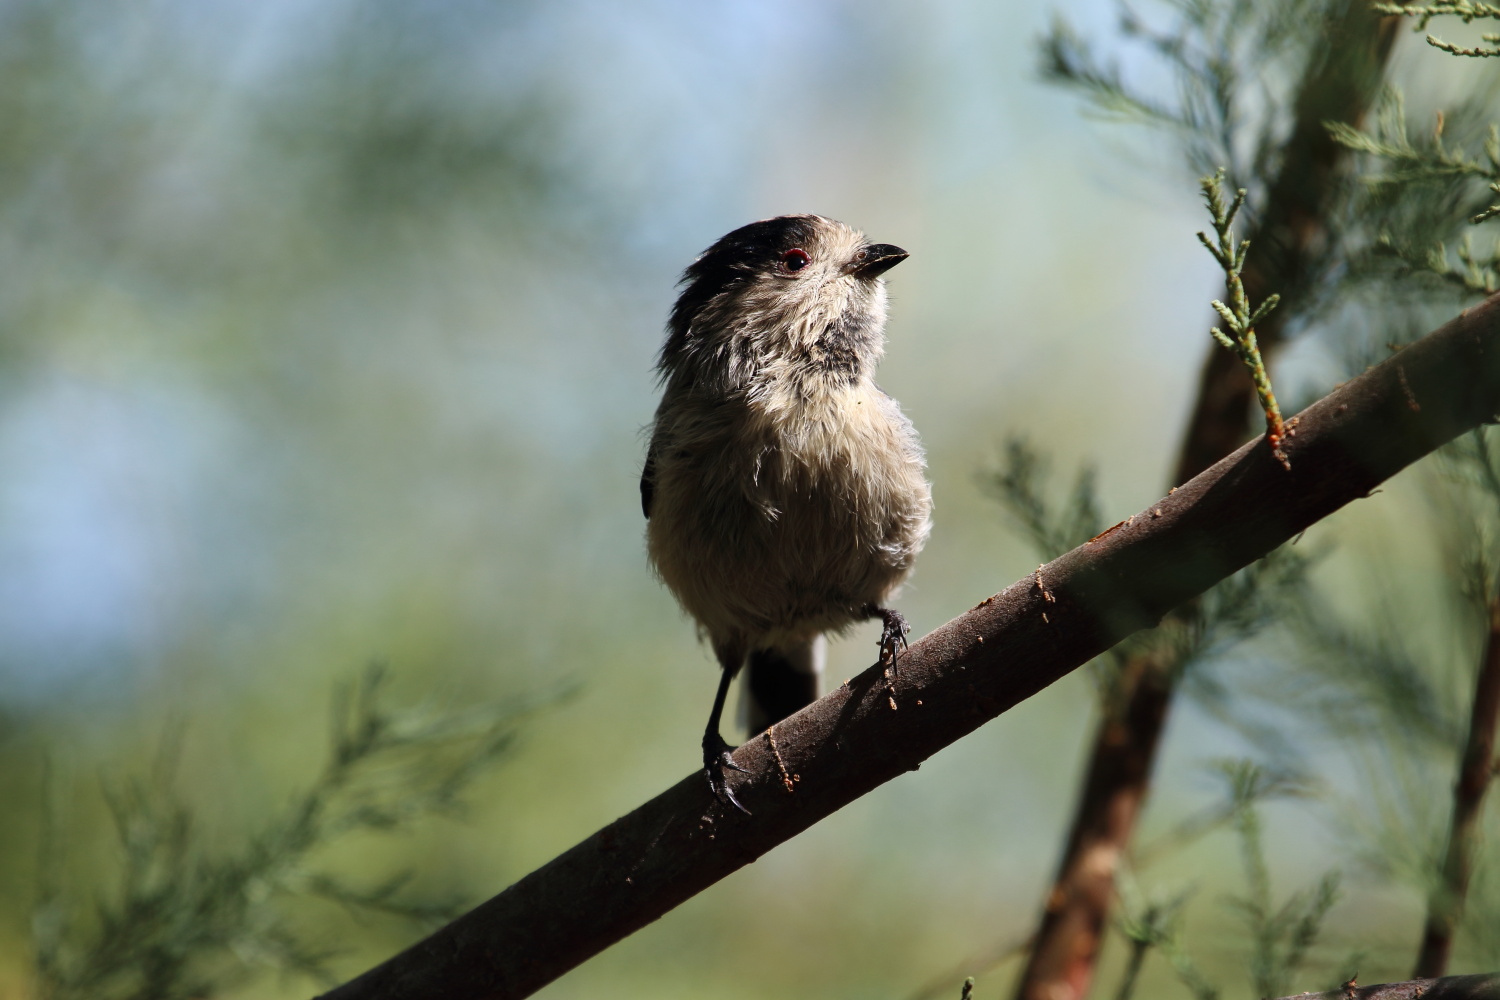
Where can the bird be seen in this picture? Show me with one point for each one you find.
(785, 494)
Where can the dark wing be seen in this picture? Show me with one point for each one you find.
(648, 484)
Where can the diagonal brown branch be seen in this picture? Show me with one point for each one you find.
(1476, 770)
(1289, 239)
(960, 676)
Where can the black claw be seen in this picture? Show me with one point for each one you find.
(893, 635)
(716, 761)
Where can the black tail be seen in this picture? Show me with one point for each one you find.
(779, 682)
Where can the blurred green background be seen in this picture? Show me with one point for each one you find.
(326, 334)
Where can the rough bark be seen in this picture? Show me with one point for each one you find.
(984, 662)
(1287, 241)
(1476, 769)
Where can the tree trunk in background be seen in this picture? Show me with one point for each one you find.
(1119, 773)
(1446, 905)
(1287, 243)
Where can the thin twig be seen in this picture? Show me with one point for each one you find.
(1238, 315)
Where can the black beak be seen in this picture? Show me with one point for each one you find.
(874, 260)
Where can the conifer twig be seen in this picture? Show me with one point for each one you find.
(1471, 53)
(1238, 315)
(1154, 925)
(1281, 935)
(1428, 160)
(1465, 10)
(1474, 274)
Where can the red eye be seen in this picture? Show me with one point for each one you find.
(795, 260)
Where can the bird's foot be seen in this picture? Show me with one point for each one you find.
(892, 636)
(716, 763)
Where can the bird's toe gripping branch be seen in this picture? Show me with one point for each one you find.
(892, 637)
(717, 762)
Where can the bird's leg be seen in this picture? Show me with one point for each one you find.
(892, 636)
(716, 758)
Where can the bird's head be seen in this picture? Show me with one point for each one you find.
(797, 294)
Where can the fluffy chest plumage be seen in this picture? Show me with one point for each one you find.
(824, 436)
(786, 508)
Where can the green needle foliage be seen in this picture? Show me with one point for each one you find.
(1224, 59)
(1265, 784)
(1422, 195)
(1395, 698)
(1156, 925)
(1230, 614)
(1282, 935)
(1429, 161)
(1378, 681)
(1229, 104)
(1465, 10)
(1472, 273)
(1153, 926)
(1020, 484)
(1238, 315)
(184, 921)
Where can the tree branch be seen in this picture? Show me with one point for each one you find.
(1485, 986)
(960, 676)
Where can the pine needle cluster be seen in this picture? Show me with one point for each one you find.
(184, 920)
(1224, 59)
(1420, 191)
(1281, 934)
